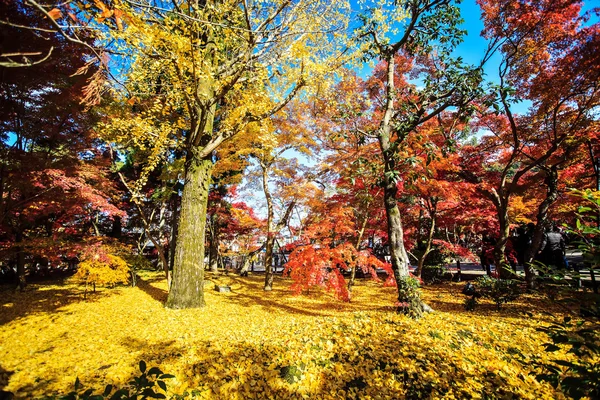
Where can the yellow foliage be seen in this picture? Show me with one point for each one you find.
(107, 272)
(520, 209)
(253, 344)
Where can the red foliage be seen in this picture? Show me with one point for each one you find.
(312, 266)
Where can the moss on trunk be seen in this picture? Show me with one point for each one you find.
(187, 288)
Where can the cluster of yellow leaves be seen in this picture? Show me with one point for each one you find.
(251, 344)
(107, 272)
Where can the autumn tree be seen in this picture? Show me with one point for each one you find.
(546, 60)
(201, 73)
(55, 186)
(423, 45)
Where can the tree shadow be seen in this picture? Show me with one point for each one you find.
(156, 293)
(390, 367)
(37, 299)
(4, 377)
(316, 302)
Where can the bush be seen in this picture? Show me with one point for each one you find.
(500, 291)
(100, 266)
(143, 386)
(581, 377)
(433, 273)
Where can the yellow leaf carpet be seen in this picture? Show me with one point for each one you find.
(250, 344)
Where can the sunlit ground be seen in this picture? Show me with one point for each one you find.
(255, 344)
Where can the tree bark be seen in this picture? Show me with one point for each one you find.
(21, 281)
(176, 202)
(499, 259)
(361, 232)
(551, 182)
(421, 261)
(187, 289)
(213, 252)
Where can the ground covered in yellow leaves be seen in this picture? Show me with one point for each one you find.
(253, 344)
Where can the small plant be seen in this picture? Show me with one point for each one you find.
(501, 291)
(580, 377)
(409, 297)
(433, 274)
(141, 387)
(101, 266)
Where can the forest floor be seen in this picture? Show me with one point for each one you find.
(254, 344)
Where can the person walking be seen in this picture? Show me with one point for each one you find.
(553, 248)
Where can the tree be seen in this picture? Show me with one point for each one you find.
(203, 73)
(424, 46)
(546, 59)
(54, 182)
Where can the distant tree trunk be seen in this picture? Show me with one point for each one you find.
(213, 250)
(249, 261)
(551, 182)
(116, 231)
(361, 232)
(428, 243)
(187, 289)
(21, 281)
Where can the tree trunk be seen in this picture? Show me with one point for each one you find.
(21, 281)
(421, 261)
(116, 231)
(174, 228)
(269, 244)
(395, 233)
(504, 272)
(361, 232)
(213, 252)
(187, 289)
(551, 182)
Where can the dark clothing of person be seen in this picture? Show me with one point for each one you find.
(553, 249)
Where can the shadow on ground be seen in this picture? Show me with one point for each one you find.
(36, 298)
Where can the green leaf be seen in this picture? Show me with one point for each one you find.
(154, 371)
(77, 384)
(551, 347)
(162, 385)
(107, 390)
(120, 394)
(142, 366)
(166, 376)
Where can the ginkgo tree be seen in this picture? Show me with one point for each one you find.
(198, 73)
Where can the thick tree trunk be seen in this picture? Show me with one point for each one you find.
(176, 202)
(187, 289)
(395, 233)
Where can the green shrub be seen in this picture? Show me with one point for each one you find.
(500, 291)
(148, 385)
(433, 273)
(581, 377)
